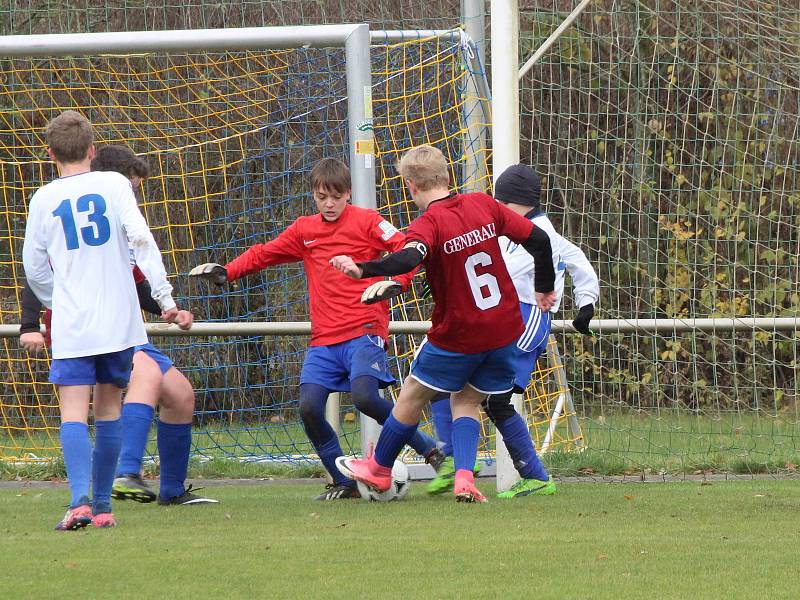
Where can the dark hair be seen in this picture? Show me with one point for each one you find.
(69, 136)
(120, 159)
(332, 175)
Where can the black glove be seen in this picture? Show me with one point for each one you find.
(211, 271)
(581, 322)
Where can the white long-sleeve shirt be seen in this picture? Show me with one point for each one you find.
(79, 237)
(566, 257)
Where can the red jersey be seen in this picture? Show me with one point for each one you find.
(337, 314)
(476, 307)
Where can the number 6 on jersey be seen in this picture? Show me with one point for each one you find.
(484, 280)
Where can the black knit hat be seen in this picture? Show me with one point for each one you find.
(518, 184)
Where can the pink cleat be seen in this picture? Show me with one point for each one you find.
(76, 518)
(367, 471)
(104, 520)
(464, 487)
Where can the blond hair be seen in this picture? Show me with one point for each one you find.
(426, 166)
(69, 136)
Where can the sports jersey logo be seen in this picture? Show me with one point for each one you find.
(308, 242)
(469, 239)
(388, 230)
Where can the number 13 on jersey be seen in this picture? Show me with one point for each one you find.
(96, 233)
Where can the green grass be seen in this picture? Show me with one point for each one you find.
(682, 540)
(616, 444)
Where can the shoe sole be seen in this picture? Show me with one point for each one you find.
(540, 491)
(131, 494)
(470, 498)
(78, 524)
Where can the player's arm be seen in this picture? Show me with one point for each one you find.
(34, 257)
(393, 240)
(287, 247)
(586, 285)
(537, 243)
(397, 263)
(146, 252)
(30, 335)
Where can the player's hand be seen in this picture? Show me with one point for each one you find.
(545, 300)
(169, 315)
(346, 265)
(212, 271)
(33, 342)
(581, 322)
(184, 319)
(381, 290)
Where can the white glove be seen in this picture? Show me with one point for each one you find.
(211, 271)
(381, 290)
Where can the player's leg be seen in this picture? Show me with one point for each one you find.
(513, 428)
(137, 419)
(516, 436)
(433, 370)
(442, 419)
(443, 424)
(465, 406)
(73, 402)
(113, 375)
(365, 359)
(313, 398)
(175, 415)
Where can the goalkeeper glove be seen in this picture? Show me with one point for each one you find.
(211, 271)
(581, 322)
(381, 290)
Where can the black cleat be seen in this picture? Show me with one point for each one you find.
(435, 458)
(187, 497)
(338, 492)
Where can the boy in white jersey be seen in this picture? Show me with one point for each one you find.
(77, 262)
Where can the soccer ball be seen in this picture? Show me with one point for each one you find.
(396, 491)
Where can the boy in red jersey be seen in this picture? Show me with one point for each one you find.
(348, 338)
(476, 319)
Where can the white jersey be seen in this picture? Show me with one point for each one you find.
(79, 236)
(566, 256)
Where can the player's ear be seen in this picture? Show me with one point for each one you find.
(91, 152)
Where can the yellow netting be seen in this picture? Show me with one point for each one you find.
(230, 139)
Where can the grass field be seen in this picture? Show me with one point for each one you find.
(667, 540)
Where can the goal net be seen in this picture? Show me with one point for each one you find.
(230, 138)
(668, 137)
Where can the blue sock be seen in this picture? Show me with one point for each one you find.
(367, 398)
(443, 423)
(393, 437)
(465, 442)
(77, 451)
(518, 440)
(107, 442)
(136, 422)
(328, 452)
(174, 444)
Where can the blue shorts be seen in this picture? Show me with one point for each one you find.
(490, 372)
(335, 366)
(531, 344)
(114, 368)
(162, 360)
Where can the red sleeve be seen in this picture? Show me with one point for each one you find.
(138, 276)
(287, 247)
(422, 230)
(393, 240)
(515, 227)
